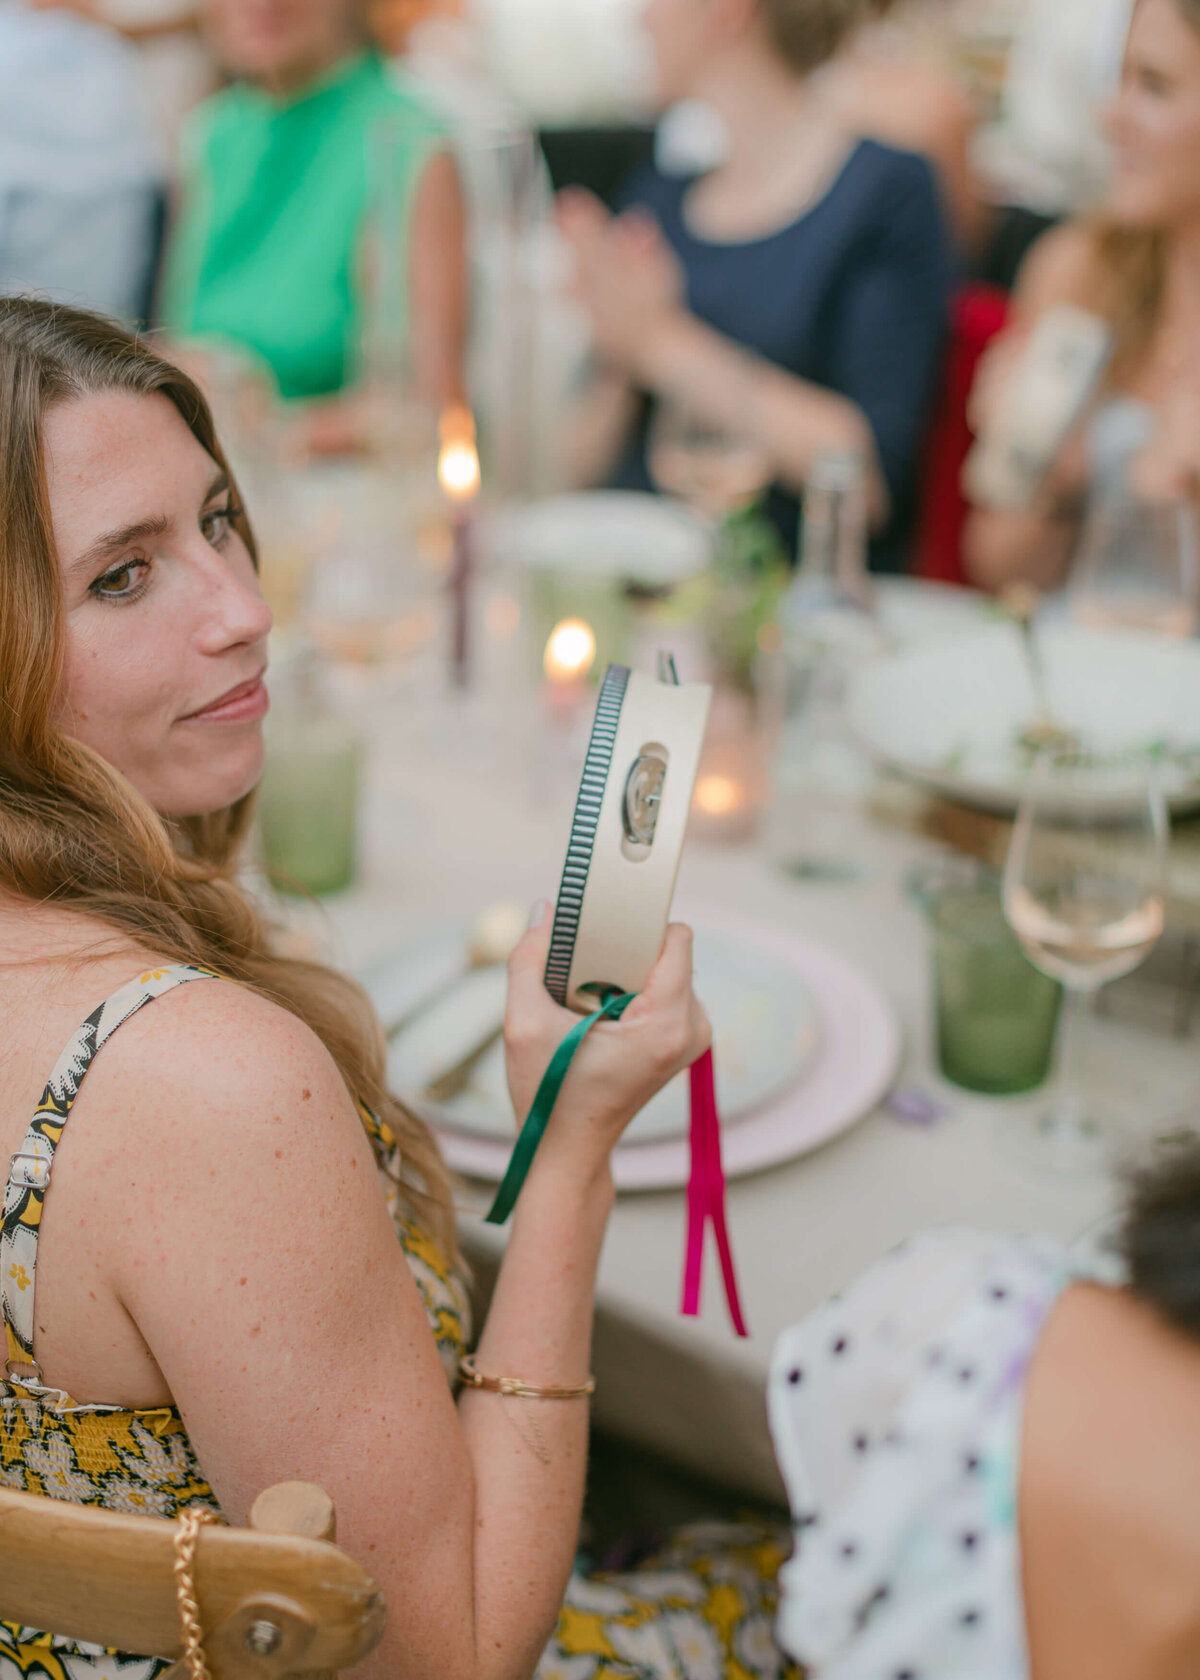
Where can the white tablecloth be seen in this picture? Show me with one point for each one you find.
(454, 819)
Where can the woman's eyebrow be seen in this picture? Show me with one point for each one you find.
(112, 542)
(218, 487)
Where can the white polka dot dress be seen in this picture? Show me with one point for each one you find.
(895, 1412)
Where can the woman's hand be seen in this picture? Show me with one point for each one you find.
(626, 276)
(620, 1064)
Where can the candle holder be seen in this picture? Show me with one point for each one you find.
(732, 782)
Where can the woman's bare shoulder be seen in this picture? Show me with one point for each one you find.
(1062, 267)
(211, 1034)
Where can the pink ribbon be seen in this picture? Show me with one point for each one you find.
(706, 1196)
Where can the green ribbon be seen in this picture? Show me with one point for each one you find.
(543, 1105)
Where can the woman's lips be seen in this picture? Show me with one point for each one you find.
(242, 704)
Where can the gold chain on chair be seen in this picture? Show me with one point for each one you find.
(191, 1522)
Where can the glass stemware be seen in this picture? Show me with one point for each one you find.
(715, 469)
(1137, 568)
(1085, 893)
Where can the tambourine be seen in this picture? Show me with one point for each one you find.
(627, 835)
(610, 921)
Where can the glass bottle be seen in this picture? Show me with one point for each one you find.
(827, 630)
(832, 581)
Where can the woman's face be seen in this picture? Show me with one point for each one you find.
(281, 42)
(687, 38)
(1154, 121)
(166, 628)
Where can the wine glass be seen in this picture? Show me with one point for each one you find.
(370, 608)
(1137, 568)
(717, 470)
(1085, 893)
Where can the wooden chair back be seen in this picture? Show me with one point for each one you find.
(276, 1599)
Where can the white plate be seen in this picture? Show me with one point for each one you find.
(766, 1030)
(849, 1074)
(913, 610)
(608, 533)
(950, 713)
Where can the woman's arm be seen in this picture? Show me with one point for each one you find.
(265, 1276)
(438, 301)
(646, 339)
(792, 419)
(602, 415)
(883, 351)
(438, 287)
(1035, 544)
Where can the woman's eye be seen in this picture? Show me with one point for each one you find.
(122, 581)
(217, 525)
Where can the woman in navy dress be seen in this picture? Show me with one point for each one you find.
(796, 293)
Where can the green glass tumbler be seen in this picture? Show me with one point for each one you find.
(996, 1014)
(308, 805)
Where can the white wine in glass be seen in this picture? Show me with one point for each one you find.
(1085, 938)
(1085, 893)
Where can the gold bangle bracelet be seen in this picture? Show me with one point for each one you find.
(518, 1389)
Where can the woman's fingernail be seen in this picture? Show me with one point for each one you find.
(538, 914)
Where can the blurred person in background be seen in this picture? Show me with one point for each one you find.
(269, 251)
(795, 294)
(392, 22)
(1063, 68)
(1137, 265)
(893, 83)
(1045, 156)
(80, 173)
(176, 66)
(991, 1453)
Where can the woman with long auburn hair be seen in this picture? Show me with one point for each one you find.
(1136, 263)
(221, 1301)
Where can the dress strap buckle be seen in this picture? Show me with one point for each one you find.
(15, 1376)
(26, 1177)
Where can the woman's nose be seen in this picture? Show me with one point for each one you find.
(238, 614)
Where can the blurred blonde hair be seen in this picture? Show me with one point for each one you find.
(807, 33)
(73, 831)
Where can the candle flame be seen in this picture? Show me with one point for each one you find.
(458, 460)
(571, 650)
(717, 796)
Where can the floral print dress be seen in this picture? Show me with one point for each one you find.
(700, 1609)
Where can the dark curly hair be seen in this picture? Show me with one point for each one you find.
(1160, 1239)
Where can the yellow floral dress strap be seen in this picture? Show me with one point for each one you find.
(29, 1167)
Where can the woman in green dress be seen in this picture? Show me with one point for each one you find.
(269, 250)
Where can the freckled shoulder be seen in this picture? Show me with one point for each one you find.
(207, 1065)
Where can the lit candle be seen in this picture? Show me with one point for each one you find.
(728, 798)
(570, 655)
(459, 477)
(570, 652)
(719, 796)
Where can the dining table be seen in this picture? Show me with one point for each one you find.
(468, 796)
